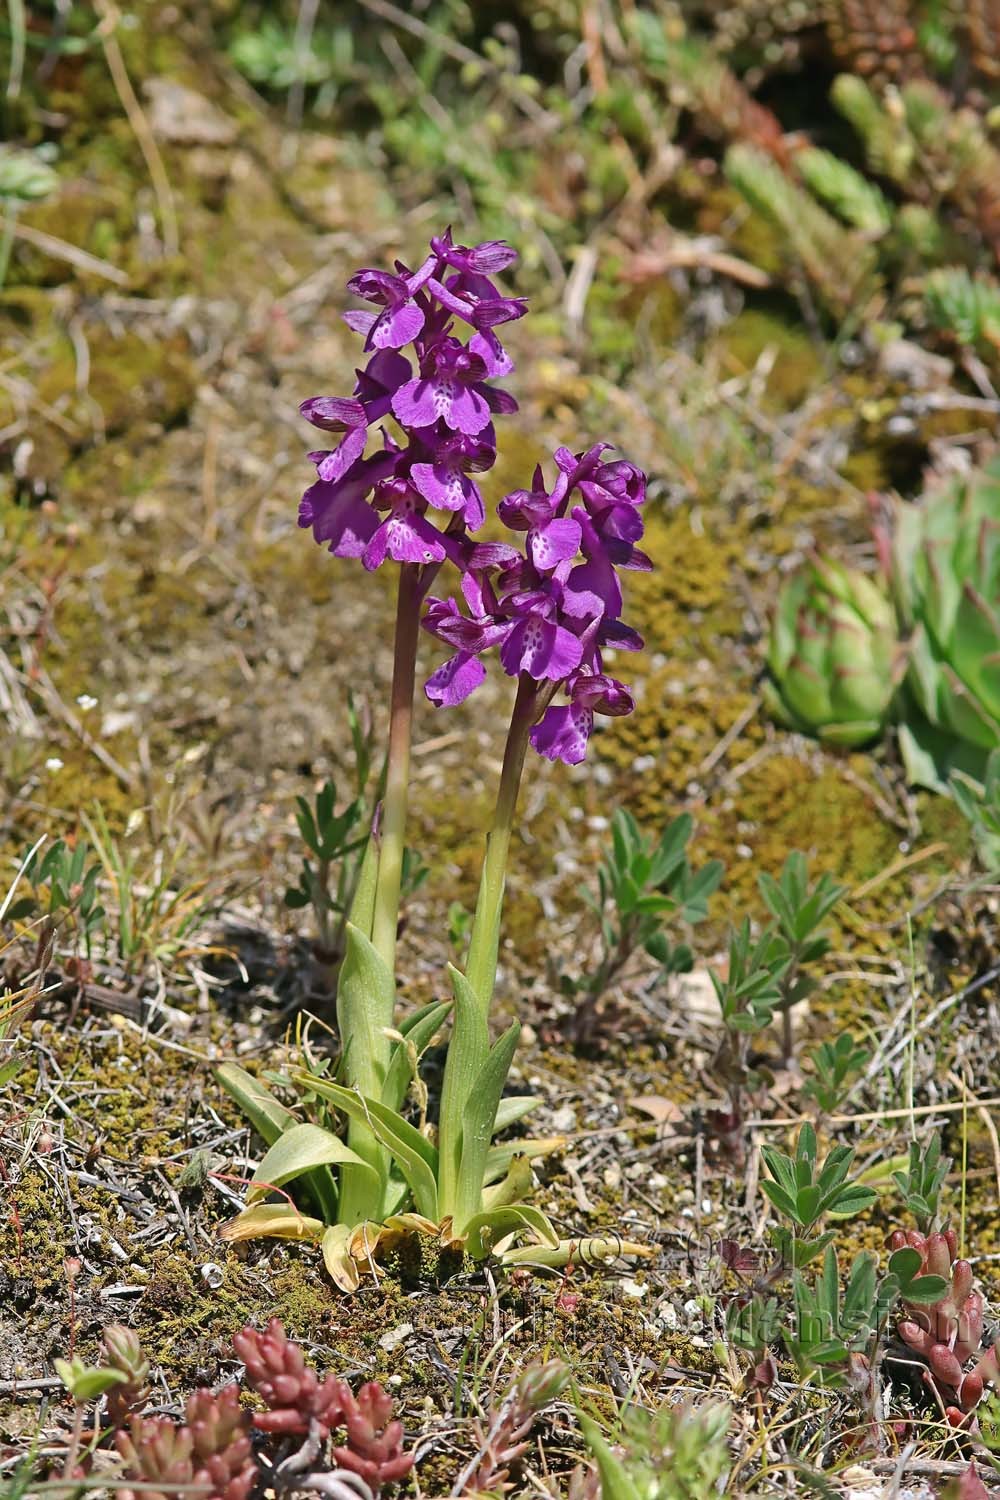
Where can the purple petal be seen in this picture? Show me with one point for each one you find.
(501, 401)
(492, 353)
(454, 680)
(466, 411)
(624, 480)
(553, 543)
(339, 515)
(623, 522)
(541, 648)
(604, 695)
(562, 733)
(414, 404)
(593, 579)
(490, 256)
(384, 373)
(334, 466)
(333, 413)
(460, 306)
(396, 326)
(620, 637)
(499, 310)
(491, 555)
(359, 320)
(377, 286)
(440, 485)
(406, 537)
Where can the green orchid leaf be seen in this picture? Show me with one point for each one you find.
(512, 1109)
(517, 1185)
(468, 1050)
(478, 1119)
(340, 1263)
(297, 1151)
(483, 1230)
(366, 1001)
(499, 1158)
(416, 1157)
(271, 1120)
(267, 1116)
(276, 1221)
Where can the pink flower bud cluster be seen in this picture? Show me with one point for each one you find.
(949, 1333)
(296, 1398)
(300, 1403)
(211, 1450)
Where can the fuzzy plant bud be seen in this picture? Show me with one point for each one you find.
(374, 1448)
(540, 1384)
(123, 1352)
(277, 1371)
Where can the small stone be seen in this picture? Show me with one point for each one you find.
(564, 1119)
(633, 1288)
(184, 117)
(394, 1337)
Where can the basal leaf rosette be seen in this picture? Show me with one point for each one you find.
(831, 654)
(946, 571)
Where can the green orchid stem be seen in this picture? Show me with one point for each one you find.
(481, 967)
(7, 241)
(397, 782)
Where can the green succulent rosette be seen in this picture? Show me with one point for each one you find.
(946, 573)
(831, 654)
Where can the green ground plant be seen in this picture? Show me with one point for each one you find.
(644, 890)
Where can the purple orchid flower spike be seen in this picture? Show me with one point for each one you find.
(376, 508)
(553, 608)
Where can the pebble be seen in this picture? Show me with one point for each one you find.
(395, 1336)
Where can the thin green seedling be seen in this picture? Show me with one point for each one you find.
(800, 910)
(805, 1191)
(835, 1066)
